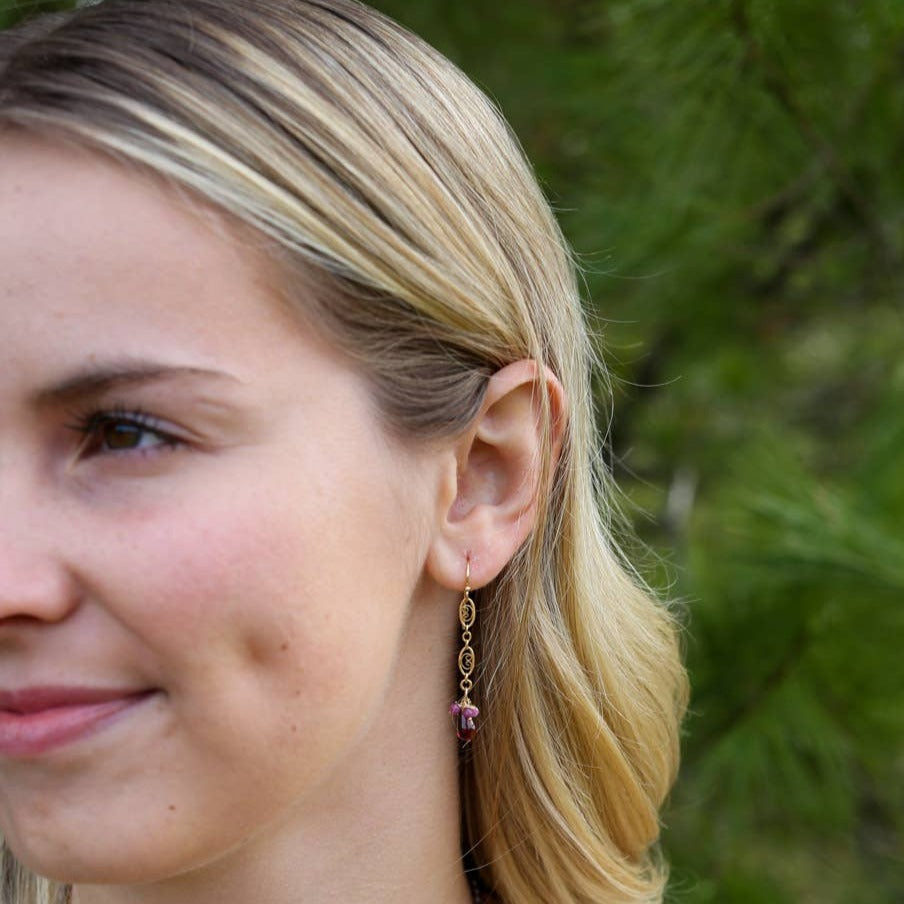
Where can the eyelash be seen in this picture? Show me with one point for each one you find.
(90, 425)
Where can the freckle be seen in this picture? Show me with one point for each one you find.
(297, 693)
(284, 647)
(294, 729)
(172, 806)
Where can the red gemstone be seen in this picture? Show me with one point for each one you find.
(466, 729)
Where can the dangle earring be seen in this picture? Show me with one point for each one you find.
(463, 711)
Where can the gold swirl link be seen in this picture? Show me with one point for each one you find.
(467, 611)
(466, 661)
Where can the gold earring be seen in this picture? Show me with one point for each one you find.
(463, 711)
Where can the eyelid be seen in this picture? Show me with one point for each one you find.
(91, 420)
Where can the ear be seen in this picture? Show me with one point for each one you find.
(498, 478)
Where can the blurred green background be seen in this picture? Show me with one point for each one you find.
(731, 173)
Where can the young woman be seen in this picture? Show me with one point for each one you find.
(296, 450)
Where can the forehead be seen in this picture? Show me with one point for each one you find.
(94, 254)
(66, 204)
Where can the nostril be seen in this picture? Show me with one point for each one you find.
(34, 589)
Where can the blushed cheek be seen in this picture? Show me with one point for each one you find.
(179, 577)
(254, 592)
(235, 592)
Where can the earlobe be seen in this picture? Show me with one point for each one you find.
(500, 475)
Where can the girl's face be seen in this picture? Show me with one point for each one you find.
(211, 553)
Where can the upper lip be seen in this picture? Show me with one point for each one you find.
(37, 699)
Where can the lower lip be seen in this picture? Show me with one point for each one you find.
(32, 734)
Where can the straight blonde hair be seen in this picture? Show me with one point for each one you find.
(372, 169)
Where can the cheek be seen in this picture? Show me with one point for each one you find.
(271, 601)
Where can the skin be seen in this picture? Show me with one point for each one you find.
(237, 533)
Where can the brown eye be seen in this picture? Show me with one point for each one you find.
(117, 435)
(112, 432)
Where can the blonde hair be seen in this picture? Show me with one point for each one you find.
(377, 171)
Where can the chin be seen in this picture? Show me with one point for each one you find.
(99, 859)
(78, 867)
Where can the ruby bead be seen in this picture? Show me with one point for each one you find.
(466, 729)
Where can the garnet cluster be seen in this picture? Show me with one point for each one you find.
(464, 713)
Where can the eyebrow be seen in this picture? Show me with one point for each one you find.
(103, 378)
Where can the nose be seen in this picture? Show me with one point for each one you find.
(36, 583)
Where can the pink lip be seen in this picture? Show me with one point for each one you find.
(37, 720)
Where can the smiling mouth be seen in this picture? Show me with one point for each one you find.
(38, 720)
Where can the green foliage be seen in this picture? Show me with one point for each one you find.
(794, 747)
(14, 11)
(729, 171)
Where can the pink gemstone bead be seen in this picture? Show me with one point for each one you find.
(454, 709)
(470, 712)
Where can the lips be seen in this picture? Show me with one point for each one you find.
(37, 720)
